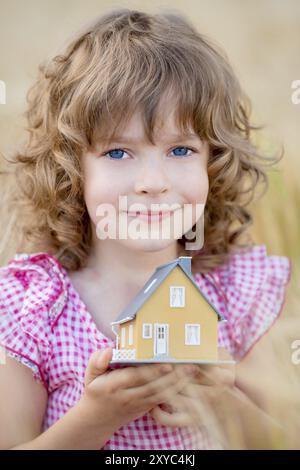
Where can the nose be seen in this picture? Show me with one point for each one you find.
(152, 179)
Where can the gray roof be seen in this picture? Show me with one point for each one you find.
(184, 262)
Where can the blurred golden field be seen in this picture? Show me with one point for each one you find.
(262, 41)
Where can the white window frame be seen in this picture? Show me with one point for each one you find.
(144, 330)
(123, 337)
(130, 335)
(171, 295)
(198, 334)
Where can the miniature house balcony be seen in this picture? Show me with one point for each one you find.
(123, 354)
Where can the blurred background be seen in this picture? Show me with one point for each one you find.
(262, 41)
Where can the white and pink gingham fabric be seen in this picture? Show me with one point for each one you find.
(45, 325)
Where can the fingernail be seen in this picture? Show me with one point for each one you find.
(166, 368)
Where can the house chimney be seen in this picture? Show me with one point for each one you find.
(186, 263)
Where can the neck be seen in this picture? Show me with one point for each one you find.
(122, 266)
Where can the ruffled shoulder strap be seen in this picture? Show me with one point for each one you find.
(42, 278)
(253, 286)
(32, 295)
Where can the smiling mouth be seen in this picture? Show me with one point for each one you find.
(150, 215)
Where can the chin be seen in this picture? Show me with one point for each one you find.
(147, 245)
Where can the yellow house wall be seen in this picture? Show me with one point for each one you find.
(197, 310)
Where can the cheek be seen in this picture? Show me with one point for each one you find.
(99, 187)
(196, 187)
(97, 192)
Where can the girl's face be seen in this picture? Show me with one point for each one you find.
(173, 172)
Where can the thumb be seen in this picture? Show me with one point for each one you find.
(97, 365)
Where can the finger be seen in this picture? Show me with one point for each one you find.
(177, 419)
(193, 400)
(214, 375)
(177, 411)
(190, 402)
(97, 365)
(159, 389)
(136, 376)
(208, 366)
(202, 395)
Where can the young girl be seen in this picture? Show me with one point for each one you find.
(142, 106)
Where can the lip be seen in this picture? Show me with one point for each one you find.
(150, 216)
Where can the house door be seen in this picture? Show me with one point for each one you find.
(161, 339)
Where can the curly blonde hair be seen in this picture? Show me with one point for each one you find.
(123, 61)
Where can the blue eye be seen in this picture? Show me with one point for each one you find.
(116, 154)
(180, 151)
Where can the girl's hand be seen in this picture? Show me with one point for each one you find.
(115, 397)
(198, 396)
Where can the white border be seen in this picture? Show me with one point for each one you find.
(150, 331)
(183, 290)
(199, 334)
(156, 325)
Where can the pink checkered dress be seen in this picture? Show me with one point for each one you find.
(45, 325)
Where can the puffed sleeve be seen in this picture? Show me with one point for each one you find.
(254, 286)
(26, 298)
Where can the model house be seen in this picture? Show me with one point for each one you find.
(169, 320)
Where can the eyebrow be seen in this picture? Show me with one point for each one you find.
(172, 138)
